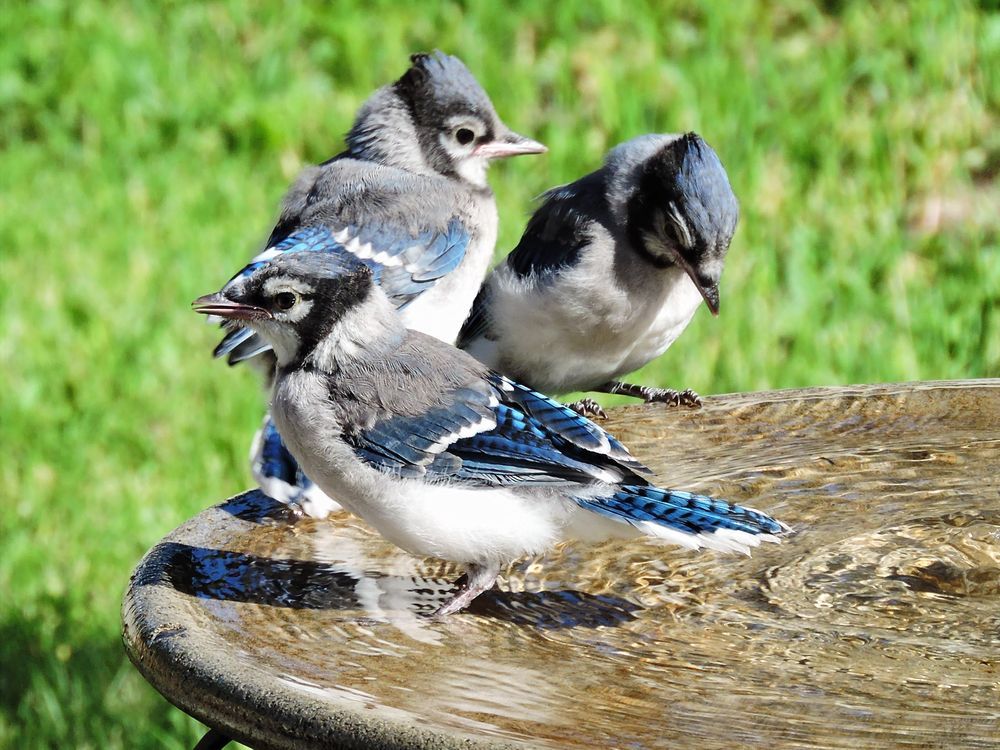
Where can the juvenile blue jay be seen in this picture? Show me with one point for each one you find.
(409, 197)
(609, 272)
(442, 456)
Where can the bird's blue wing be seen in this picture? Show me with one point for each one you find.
(495, 433)
(560, 228)
(560, 420)
(413, 446)
(404, 265)
(478, 321)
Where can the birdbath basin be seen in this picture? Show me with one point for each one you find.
(877, 624)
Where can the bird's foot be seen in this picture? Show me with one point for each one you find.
(286, 514)
(671, 397)
(294, 513)
(587, 407)
(476, 580)
(654, 395)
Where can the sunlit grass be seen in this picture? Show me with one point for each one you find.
(145, 148)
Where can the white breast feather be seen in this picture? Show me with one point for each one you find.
(441, 310)
(582, 330)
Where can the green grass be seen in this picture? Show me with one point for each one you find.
(144, 149)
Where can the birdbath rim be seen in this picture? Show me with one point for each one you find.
(257, 707)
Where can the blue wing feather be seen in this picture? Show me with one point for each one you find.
(273, 463)
(561, 228)
(565, 422)
(231, 341)
(248, 349)
(484, 435)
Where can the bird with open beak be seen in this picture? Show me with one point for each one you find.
(442, 456)
(409, 197)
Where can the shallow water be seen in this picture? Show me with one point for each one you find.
(875, 625)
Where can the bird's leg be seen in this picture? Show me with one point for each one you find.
(293, 512)
(587, 407)
(475, 580)
(650, 394)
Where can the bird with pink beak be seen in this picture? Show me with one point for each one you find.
(408, 196)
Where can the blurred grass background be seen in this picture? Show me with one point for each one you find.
(144, 149)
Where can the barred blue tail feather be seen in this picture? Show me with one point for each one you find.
(686, 519)
(232, 340)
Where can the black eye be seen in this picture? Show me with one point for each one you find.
(285, 300)
(464, 136)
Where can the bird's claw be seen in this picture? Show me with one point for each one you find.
(289, 514)
(283, 517)
(587, 407)
(671, 397)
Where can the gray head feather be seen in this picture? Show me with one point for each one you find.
(437, 85)
(429, 121)
(624, 165)
(679, 203)
(304, 295)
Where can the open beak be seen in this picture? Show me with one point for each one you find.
(509, 144)
(216, 304)
(709, 291)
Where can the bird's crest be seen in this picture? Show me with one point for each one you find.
(441, 78)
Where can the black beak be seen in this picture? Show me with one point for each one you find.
(216, 304)
(709, 290)
(710, 293)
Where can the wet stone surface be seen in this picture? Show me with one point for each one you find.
(876, 625)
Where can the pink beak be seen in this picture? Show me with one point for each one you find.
(509, 144)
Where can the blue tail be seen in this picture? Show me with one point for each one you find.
(687, 519)
(241, 347)
(273, 464)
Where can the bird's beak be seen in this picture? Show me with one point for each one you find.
(710, 293)
(509, 144)
(216, 304)
(709, 290)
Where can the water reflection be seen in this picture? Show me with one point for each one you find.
(307, 584)
(876, 625)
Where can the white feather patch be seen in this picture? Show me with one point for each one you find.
(355, 247)
(483, 425)
(724, 540)
(386, 259)
(684, 232)
(271, 252)
(609, 476)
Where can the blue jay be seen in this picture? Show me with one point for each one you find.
(609, 272)
(442, 456)
(409, 197)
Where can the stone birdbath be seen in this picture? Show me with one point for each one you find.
(876, 625)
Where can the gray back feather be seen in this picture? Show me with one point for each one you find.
(353, 192)
(405, 381)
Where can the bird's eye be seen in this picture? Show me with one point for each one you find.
(464, 136)
(285, 300)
